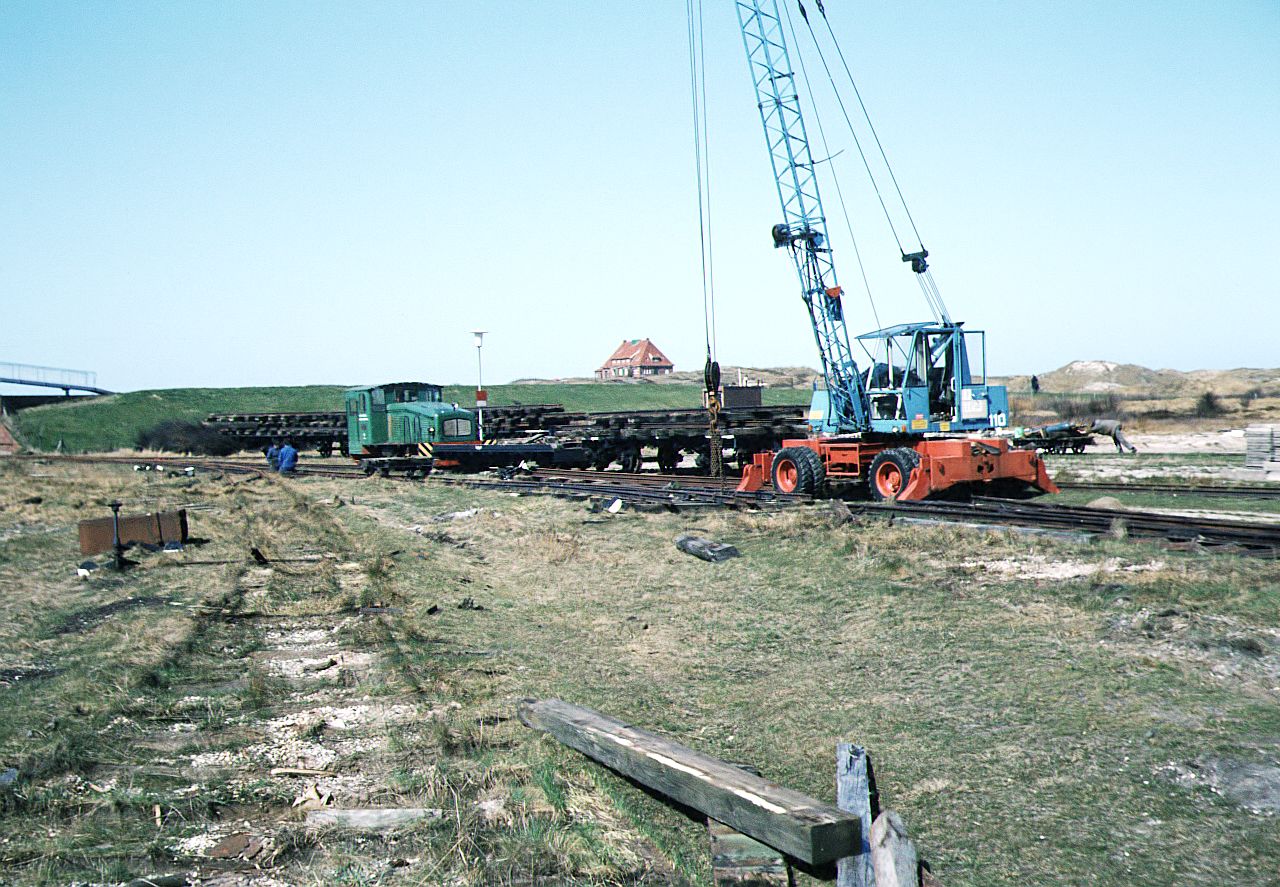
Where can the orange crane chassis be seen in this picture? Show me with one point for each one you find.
(900, 470)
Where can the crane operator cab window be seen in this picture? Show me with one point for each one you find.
(940, 372)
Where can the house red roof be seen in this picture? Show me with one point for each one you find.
(637, 353)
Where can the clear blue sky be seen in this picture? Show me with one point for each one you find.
(278, 193)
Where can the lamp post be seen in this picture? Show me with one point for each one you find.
(482, 399)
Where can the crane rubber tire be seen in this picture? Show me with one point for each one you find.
(792, 471)
(817, 468)
(890, 472)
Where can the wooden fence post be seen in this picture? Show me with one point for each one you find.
(856, 794)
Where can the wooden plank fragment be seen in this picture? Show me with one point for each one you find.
(892, 854)
(785, 820)
(739, 861)
(371, 818)
(855, 787)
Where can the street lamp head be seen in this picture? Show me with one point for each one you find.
(479, 334)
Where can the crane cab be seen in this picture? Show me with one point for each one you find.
(924, 378)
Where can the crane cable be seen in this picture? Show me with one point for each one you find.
(702, 159)
(822, 134)
(928, 286)
(866, 116)
(804, 13)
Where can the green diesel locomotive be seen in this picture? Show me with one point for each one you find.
(403, 419)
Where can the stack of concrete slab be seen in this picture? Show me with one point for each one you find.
(1262, 447)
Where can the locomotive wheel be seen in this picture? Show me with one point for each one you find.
(367, 468)
(890, 472)
(792, 471)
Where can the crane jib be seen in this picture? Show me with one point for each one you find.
(803, 230)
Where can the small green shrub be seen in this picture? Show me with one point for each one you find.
(1209, 405)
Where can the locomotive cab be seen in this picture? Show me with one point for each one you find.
(403, 418)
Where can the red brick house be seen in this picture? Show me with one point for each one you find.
(634, 358)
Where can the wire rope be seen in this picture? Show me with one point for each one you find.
(849, 122)
(697, 84)
(867, 116)
(826, 150)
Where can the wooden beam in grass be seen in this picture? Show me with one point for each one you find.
(795, 824)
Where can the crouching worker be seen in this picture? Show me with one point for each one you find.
(273, 455)
(288, 458)
(1114, 430)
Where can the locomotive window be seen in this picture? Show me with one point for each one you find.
(457, 428)
(379, 396)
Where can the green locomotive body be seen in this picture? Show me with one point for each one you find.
(403, 419)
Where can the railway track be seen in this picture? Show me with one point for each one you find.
(1216, 490)
(174, 463)
(1242, 537)
(683, 491)
(667, 491)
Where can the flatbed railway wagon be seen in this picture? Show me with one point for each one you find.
(408, 427)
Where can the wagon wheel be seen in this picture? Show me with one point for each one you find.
(631, 460)
(668, 458)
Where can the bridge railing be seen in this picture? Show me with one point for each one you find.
(49, 377)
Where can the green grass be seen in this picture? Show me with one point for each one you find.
(1024, 727)
(113, 422)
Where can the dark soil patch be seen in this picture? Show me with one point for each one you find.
(83, 620)
(12, 676)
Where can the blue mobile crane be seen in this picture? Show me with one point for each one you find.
(919, 420)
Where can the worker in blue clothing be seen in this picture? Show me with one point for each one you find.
(288, 458)
(273, 455)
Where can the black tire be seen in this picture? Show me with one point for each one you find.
(817, 468)
(793, 471)
(890, 472)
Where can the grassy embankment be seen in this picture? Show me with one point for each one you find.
(1040, 712)
(113, 422)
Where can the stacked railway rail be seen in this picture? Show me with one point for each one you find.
(612, 434)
